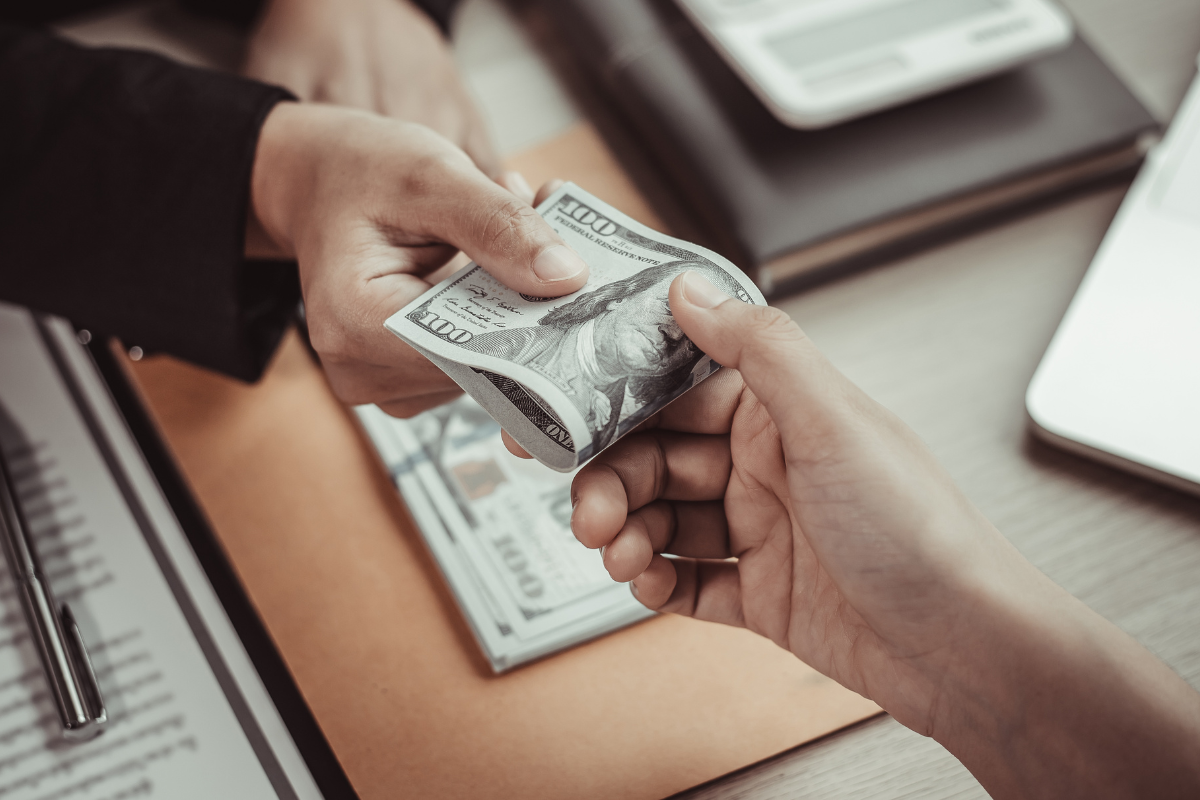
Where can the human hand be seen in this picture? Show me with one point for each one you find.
(371, 209)
(385, 56)
(855, 551)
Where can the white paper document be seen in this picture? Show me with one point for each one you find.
(189, 715)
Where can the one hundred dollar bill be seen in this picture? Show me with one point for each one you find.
(499, 529)
(568, 376)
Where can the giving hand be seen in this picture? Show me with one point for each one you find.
(371, 208)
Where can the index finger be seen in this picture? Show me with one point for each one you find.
(451, 200)
(707, 408)
(643, 468)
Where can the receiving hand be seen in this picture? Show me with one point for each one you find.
(855, 551)
(385, 56)
(371, 209)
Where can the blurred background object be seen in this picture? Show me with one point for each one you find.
(795, 207)
(815, 64)
(1120, 382)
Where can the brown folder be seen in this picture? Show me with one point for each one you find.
(359, 611)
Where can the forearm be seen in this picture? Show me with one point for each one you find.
(1051, 700)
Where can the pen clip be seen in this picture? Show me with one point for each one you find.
(96, 715)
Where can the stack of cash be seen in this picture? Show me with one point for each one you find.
(500, 529)
(566, 377)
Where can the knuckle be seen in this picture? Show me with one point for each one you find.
(638, 464)
(656, 457)
(430, 171)
(770, 341)
(502, 228)
(773, 326)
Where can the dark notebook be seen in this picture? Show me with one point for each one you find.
(796, 206)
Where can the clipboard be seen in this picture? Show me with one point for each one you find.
(201, 701)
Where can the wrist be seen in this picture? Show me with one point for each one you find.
(267, 227)
(1049, 699)
(273, 184)
(1016, 626)
(971, 603)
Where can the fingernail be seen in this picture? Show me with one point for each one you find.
(699, 292)
(602, 549)
(558, 263)
(633, 588)
(519, 186)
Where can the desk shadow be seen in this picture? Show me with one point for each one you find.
(1130, 487)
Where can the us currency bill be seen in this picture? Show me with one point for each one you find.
(568, 376)
(499, 529)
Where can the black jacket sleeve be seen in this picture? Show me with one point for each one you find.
(124, 186)
(239, 12)
(244, 12)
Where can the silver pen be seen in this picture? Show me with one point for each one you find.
(54, 631)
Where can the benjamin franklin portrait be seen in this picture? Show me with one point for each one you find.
(613, 350)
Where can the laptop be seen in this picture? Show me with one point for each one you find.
(1120, 381)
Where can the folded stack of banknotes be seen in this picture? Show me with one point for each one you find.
(500, 529)
(566, 377)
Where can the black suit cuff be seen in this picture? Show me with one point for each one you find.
(124, 197)
(245, 12)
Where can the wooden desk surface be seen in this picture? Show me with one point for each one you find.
(949, 340)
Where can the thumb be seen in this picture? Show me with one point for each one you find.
(507, 237)
(779, 364)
